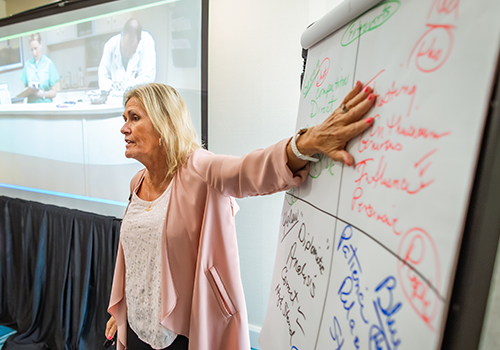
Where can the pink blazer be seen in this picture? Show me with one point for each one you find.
(202, 294)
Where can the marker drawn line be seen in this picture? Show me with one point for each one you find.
(338, 202)
(355, 64)
(327, 286)
(375, 77)
(431, 286)
(315, 76)
(417, 164)
(332, 257)
(287, 232)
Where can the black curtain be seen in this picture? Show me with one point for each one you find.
(56, 268)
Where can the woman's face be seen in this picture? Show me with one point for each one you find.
(36, 49)
(140, 135)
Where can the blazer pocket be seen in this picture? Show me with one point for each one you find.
(220, 292)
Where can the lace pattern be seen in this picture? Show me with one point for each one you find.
(141, 241)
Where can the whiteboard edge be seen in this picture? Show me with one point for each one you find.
(340, 15)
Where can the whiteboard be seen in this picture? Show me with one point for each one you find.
(367, 254)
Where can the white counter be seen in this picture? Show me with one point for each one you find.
(51, 110)
(77, 149)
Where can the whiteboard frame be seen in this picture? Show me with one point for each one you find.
(476, 261)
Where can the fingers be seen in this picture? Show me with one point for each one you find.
(352, 94)
(360, 97)
(358, 111)
(342, 156)
(359, 106)
(111, 332)
(111, 328)
(358, 127)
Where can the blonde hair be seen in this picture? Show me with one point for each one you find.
(170, 117)
(35, 37)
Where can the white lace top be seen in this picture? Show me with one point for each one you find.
(140, 236)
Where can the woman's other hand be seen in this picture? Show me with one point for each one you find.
(40, 93)
(111, 328)
(331, 136)
(34, 91)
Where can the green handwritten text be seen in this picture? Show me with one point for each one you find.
(370, 20)
(307, 87)
(327, 94)
(325, 163)
(294, 193)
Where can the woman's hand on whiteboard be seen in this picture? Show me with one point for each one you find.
(345, 123)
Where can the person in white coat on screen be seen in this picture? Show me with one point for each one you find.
(128, 59)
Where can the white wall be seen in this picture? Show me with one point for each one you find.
(3, 11)
(253, 93)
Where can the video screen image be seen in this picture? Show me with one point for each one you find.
(62, 81)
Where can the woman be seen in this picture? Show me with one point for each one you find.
(177, 269)
(40, 75)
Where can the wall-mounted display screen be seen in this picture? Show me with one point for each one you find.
(63, 82)
(11, 54)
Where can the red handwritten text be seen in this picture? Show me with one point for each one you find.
(445, 6)
(373, 79)
(418, 250)
(366, 141)
(401, 184)
(433, 49)
(324, 68)
(413, 132)
(370, 211)
(395, 92)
